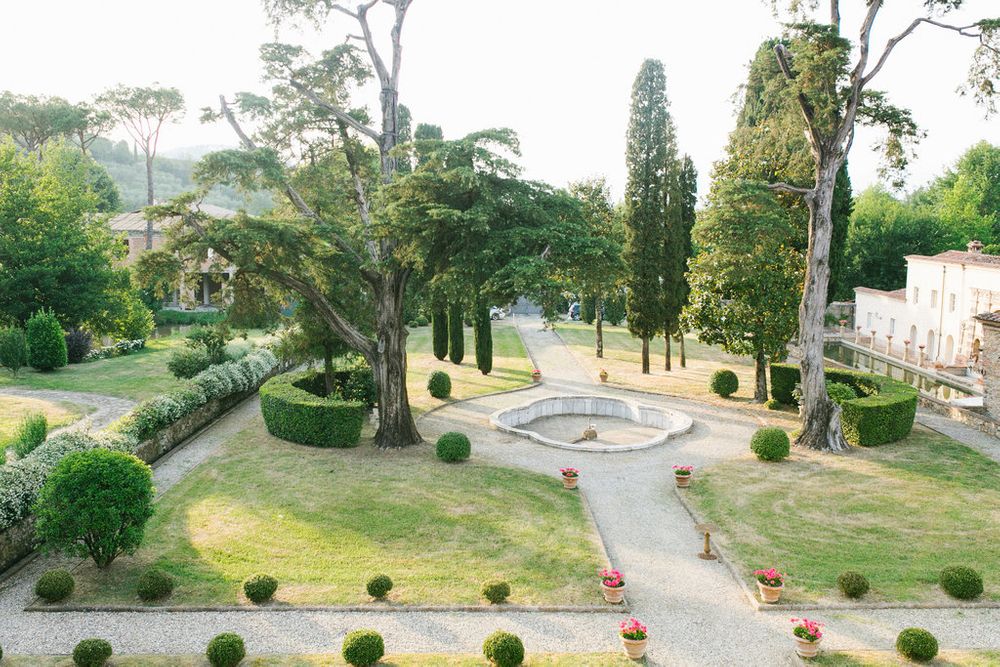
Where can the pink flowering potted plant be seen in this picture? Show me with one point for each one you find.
(536, 375)
(570, 477)
(603, 375)
(613, 586)
(682, 475)
(807, 637)
(770, 584)
(634, 638)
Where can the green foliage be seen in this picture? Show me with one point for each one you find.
(183, 317)
(496, 591)
(55, 585)
(188, 362)
(503, 649)
(961, 582)
(13, 349)
(770, 444)
(482, 329)
(212, 340)
(363, 648)
(587, 309)
(772, 404)
(840, 392)
(30, 434)
(456, 333)
(853, 585)
(439, 333)
(154, 584)
(293, 410)
(131, 320)
(78, 343)
(453, 446)
(95, 503)
(226, 650)
(379, 586)
(46, 342)
(91, 653)
(882, 413)
(614, 308)
(260, 588)
(724, 383)
(917, 644)
(439, 384)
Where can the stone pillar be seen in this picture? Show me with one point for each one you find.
(990, 359)
(888, 345)
(871, 342)
(857, 336)
(906, 350)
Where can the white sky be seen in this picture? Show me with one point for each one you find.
(559, 72)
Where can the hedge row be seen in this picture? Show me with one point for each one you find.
(294, 410)
(883, 412)
(21, 480)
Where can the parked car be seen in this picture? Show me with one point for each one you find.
(574, 311)
(497, 313)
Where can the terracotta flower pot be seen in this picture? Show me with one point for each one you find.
(604, 376)
(635, 648)
(613, 595)
(683, 481)
(536, 377)
(805, 648)
(770, 594)
(570, 482)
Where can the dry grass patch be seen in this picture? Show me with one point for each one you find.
(891, 659)
(897, 513)
(402, 660)
(13, 409)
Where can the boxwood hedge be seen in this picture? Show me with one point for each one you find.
(294, 410)
(882, 413)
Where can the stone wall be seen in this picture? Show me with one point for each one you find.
(983, 422)
(990, 357)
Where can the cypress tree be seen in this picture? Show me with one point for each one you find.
(689, 200)
(482, 328)
(647, 144)
(439, 331)
(456, 333)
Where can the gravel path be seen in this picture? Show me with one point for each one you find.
(696, 612)
(973, 437)
(106, 408)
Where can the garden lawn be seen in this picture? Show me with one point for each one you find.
(511, 366)
(322, 521)
(13, 409)
(402, 660)
(887, 659)
(898, 514)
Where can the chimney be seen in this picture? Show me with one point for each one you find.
(975, 247)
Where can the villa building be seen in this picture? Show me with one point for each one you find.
(133, 228)
(937, 308)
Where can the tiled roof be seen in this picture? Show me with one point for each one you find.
(899, 294)
(989, 317)
(135, 221)
(961, 257)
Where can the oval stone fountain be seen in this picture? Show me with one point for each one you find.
(569, 422)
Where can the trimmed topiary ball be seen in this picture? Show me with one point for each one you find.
(504, 649)
(453, 446)
(840, 392)
(724, 382)
(853, 584)
(226, 650)
(154, 584)
(770, 444)
(260, 588)
(772, 404)
(379, 586)
(55, 585)
(496, 591)
(961, 582)
(439, 384)
(917, 644)
(363, 648)
(91, 653)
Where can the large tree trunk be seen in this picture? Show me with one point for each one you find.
(645, 356)
(680, 342)
(149, 201)
(666, 350)
(820, 416)
(599, 325)
(760, 377)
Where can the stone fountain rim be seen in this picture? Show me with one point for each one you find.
(682, 423)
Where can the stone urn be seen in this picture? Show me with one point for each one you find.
(806, 648)
(603, 375)
(614, 595)
(635, 648)
(683, 481)
(770, 594)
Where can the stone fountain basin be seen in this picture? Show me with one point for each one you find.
(517, 420)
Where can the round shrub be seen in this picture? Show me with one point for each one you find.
(55, 585)
(13, 351)
(188, 362)
(226, 650)
(917, 644)
(46, 342)
(91, 653)
(294, 410)
(363, 648)
(961, 582)
(439, 384)
(770, 444)
(260, 588)
(772, 404)
(853, 584)
(504, 649)
(422, 321)
(496, 591)
(95, 503)
(379, 586)
(453, 446)
(724, 382)
(840, 392)
(154, 584)
(78, 344)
